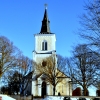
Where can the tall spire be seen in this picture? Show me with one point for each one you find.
(45, 28)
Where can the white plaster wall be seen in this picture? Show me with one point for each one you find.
(39, 57)
(51, 41)
(34, 88)
(39, 86)
(64, 87)
(51, 89)
(48, 89)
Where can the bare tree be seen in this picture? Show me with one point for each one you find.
(26, 64)
(82, 67)
(90, 23)
(21, 76)
(12, 60)
(10, 55)
(61, 63)
(90, 29)
(49, 68)
(26, 68)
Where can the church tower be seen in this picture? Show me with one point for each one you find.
(45, 41)
(45, 46)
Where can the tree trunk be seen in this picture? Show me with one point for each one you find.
(54, 88)
(85, 91)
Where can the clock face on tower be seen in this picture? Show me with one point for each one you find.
(44, 63)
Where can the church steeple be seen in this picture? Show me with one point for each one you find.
(45, 28)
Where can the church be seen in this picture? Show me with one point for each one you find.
(45, 46)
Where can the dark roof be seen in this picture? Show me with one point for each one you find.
(45, 28)
(37, 76)
(29, 75)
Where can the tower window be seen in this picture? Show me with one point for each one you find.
(44, 45)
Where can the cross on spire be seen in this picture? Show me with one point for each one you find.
(45, 5)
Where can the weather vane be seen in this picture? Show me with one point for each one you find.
(45, 6)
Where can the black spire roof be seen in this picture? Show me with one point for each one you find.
(45, 28)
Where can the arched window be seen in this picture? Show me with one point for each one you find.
(44, 45)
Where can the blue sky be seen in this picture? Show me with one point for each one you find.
(21, 19)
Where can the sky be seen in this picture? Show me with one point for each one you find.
(21, 19)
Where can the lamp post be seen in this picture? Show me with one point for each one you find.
(0, 69)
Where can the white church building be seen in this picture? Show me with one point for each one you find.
(45, 46)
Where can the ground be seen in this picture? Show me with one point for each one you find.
(5, 97)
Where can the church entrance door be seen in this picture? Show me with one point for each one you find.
(43, 92)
